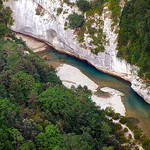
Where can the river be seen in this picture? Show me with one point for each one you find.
(134, 104)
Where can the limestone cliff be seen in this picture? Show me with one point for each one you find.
(47, 26)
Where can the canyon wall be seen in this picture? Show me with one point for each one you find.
(49, 27)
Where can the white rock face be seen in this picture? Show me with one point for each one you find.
(49, 28)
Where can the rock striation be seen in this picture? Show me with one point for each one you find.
(39, 19)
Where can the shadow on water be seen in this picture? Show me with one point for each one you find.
(135, 105)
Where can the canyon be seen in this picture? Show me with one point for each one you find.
(49, 28)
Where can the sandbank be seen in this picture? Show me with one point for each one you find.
(70, 75)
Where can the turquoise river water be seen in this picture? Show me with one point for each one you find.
(134, 104)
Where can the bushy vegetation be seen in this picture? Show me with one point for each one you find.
(96, 7)
(68, 3)
(138, 133)
(5, 19)
(59, 10)
(134, 37)
(115, 10)
(38, 11)
(123, 120)
(75, 21)
(132, 124)
(83, 5)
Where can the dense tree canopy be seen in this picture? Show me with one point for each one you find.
(75, 20)
(83, 5)
(134, 37)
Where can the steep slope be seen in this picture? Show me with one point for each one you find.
(39, 19)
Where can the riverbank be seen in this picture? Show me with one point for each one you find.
(136, 84)
(73, 76)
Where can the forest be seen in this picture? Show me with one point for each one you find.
(38, 112)
(134, 36)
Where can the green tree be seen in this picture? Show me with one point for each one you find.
(7, 16)
(74, 119)
(29, 129)
(3, 30)
(57, 99)
(5, 142)
(49, 139)
(105, 130)
(20, 86)
(33, 99)
(28, 145)
(17, 137)
(76, 142)
(3, 92)
(44, 72)
(83, 5)
(75, 21)
(8, 113)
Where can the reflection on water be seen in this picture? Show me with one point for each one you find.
(135, 105)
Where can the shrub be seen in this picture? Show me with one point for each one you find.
(83, 5)
(75, 20)
(119, 134)
(123, 120)
(137, 134)
(115, 9)
(109, 111)
(122, 139)
(66, 1)
(125, 130)
(38, 12)
(92, 31)
(95, 51)
(118, 126)
(59, 10)
(116, 116)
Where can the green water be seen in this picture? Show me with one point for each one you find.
(135, 105)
